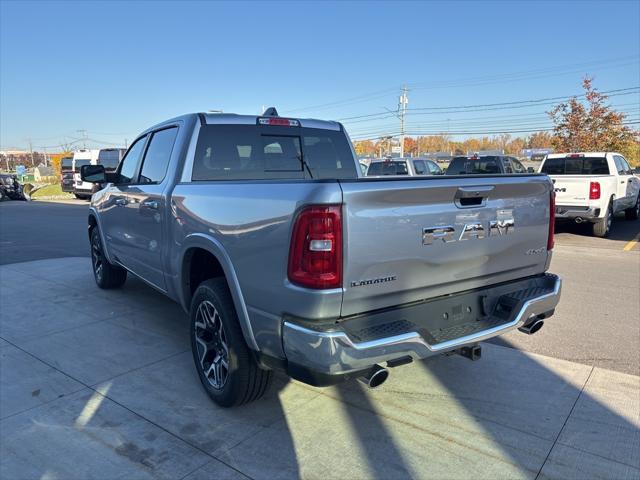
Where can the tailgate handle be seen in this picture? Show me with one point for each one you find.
(467, 197)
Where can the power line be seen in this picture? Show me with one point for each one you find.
(533, 102)
(496, 132)
(557, 70)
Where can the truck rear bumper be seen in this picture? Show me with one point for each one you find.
(325, 356)
(573, 212)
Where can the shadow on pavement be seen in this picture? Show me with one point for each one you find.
(593, 440)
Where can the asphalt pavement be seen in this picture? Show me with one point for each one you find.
(101, 384)
(597, 322)
(38, 230)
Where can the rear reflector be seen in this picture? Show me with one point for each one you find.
(552, 219)
(594, 191)
(282, 122)
(315, 256)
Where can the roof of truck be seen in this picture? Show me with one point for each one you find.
(585, 154)
(234, 119)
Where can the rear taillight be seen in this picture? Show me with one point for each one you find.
(594, 191)
(552, 219)
(315, 256)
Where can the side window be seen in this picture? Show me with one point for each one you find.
(624, 165)
(619, 165)
(129, 163)
(420, 167)
(434, 168)
(507, 165)
(154, 167)
(517, 166)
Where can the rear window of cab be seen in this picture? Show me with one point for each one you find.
(576, 166)
(257, 152)
(387, 168)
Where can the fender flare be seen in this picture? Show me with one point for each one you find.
(215, 248)
(105, 249)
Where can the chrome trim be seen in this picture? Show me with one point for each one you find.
(335, 352)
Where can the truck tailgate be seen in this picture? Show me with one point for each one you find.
(390, 258)
(574, 189)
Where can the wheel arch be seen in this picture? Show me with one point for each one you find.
(93, 221)
(204, 257)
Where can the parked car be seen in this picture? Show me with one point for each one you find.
(67, 174)
(10, 188)
(403, 166)
(483, 165)
(286, 258)
(593, 187)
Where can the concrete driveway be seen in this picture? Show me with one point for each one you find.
(98, 384)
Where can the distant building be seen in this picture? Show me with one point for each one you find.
(41, 173)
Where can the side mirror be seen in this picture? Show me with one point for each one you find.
(531, 170)
(93, 174)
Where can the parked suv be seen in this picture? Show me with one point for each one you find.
(287, 258)
(403, 166)
(485, 165)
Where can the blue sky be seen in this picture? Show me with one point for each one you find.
(115, 68)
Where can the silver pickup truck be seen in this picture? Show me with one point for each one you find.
(287, 258)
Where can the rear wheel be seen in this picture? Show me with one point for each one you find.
(602, 227)
(107, 276)
(634, 212)
(227, 370)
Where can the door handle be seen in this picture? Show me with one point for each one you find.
(151, 204)
(121, 202)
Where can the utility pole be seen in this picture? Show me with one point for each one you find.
(33, 163)
(402, 110)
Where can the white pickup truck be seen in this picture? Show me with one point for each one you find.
(593, 187)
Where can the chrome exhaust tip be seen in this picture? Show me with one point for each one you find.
(375, 377)
(533, 327)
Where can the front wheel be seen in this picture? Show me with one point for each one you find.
(634, 212)
(227, 370)
(602, 227)
(107, 276)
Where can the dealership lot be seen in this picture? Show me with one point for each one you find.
(102, 384)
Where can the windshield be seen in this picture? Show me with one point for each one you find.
(470, 166)
(576, 166)
(387, 168)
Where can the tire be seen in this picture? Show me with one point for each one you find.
(634, 212)
(602, 227)
(106, 275)
(216, 341)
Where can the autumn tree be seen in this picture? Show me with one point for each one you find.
(364, 147)
(590, 125)
(540, 140)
